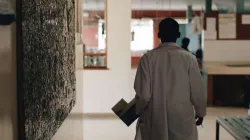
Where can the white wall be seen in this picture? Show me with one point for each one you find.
(226, 50)
(8, 99)
(103, 88)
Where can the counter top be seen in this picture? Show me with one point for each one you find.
(227, 68)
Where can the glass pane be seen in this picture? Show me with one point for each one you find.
(142, 36)
(94, 34)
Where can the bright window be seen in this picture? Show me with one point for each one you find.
(143, 34)
(101, 35)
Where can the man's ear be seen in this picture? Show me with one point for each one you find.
(159, 35)
(178, 35)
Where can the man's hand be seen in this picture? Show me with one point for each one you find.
(199, 120)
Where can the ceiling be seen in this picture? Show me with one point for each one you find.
(159, 4)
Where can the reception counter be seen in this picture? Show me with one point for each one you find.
(227, 68)
(227, 82)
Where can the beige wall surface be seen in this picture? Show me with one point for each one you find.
(8, 99)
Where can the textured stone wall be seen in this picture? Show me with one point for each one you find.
(48, 36)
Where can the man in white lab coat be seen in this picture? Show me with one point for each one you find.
(170, 93)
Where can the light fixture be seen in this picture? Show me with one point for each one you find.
(103, 28)
(132, 35)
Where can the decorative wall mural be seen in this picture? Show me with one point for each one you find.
(48, 66)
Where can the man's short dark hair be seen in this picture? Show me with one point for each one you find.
(168, 28)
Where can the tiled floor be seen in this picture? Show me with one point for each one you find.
(114, 129)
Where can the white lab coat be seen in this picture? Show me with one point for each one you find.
(169, 92)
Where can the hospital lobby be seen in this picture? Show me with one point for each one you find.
(65, 64)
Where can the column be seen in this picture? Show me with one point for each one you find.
(118, 18)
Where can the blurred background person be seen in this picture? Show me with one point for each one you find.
(185, 43)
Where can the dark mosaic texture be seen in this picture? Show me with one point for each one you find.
(48, 29)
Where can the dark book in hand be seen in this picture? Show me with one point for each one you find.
(126, 111)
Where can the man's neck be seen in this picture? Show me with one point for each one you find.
(169, 41)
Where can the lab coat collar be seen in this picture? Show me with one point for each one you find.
(173, 44)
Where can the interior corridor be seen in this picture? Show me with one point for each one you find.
(65, 64)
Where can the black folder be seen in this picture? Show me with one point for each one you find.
(126, 111)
